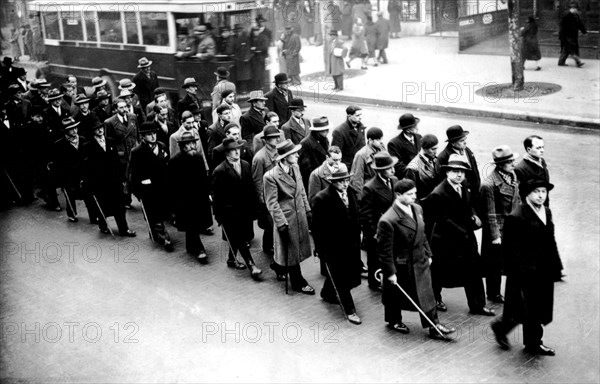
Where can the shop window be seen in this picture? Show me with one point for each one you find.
(410, 10)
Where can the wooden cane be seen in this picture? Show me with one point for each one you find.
(337, 294)
(103, 217)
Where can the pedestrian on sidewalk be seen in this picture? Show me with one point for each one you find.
(291, 53)
(568, 34)
(346, 13)
(530, 46)
(371, 37)
(533, 266)
(358, 48)
(337, 52)
(383, 37)
(394, 8)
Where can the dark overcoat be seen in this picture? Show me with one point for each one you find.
(453, 242)
(404, 150)
(312, 154)
(145, 86)
(185, 104)
(215, 135)
(277, 103)
(243, 56)
(68, 164)
(335, 64)
(293, 131)
(124, 136)
(291, 48)
(403, 251)
(528, 170)
(336, 232)
(568, 32)
(383, 33)
(251, 122)
(473, 179)
(376, 198)
(54, 120)
(533, 265)
(86, 123)
(530, 45)
(235, 201)
(349, 140)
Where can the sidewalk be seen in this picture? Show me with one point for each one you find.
(438, 78)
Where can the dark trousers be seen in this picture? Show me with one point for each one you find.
(193, 243)
(391, 298)
(265, 222)
(71, 202)
(119, 218)
(328, 291)
(296, 279)
(532, 331)
(159, 232)
(244, 250)
(372, 263)
(564, 53)
(473, 289)
(383, 56)
(339, 82)
(493, 276)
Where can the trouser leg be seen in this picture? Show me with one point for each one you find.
(246, 255)
(121, 220)
(296, 279)
(532, 333)
(390, 298)
(159, 232)
(475, 293)
(493, 278)
(576, 58)
(372, 264)
(436, 282)
(193, 243)
(563, 56)
(431, 315)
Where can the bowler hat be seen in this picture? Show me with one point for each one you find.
(126, 84)
(54, 94)
(222, 72)
(102, 94)
(429, 141)
(281, 78)
(503, 153)
(340, 174)
(530, 185)
(286, 148)
(230, 143)
(69, 123)
(188, 82)
(200, 29)
(19, 71)
(256, 95)
(98, 82)
(7, 60)
(125, 93)
(320, 123)
(144, 62)
(81, 98)
(270, 131)
(457, 162)
(187, 137)
(148, 127)
(383, 160)
(455, 132)
(297, 103)
(407, 121)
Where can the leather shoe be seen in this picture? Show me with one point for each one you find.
(496, 299)
(73, 219)
(540, 350)
(255, 272)
(168, 245)
(329, 299)
(104, 230)
(501, 338)
(435, 335)
(203, 258)
(128, 233)
(441, 306)
(354, 319)
(400, 327)
(307, 290)
(445, 330)
(235, 264)
(484, 312)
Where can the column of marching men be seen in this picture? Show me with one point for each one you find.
(413, 210)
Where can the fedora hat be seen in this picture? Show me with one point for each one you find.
(455, 132)
(7, 60)
(200, 29)
(271, 131)
(407, 121)
(383, 160)
(14, 88)
(320, 123)
(19, 71)
(222, 72)
(230, 143)
(256, 95)
(340, 174)
(188, 82)
(39, 83)
(530, 185)
(126, 84)
(503, 153)
(457, 162)
(98, 82)
(148, 127)
(286, 148)
(160, 91)
(102, 94)
(187, 137)
(143, 63)
(297, 103)
(281, 78)
(69, 123)
(81, 98)
(54, 94)
(125, 93)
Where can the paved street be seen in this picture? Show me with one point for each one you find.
(78, 306)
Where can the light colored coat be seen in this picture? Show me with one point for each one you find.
(317, 181)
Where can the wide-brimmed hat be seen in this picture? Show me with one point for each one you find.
(260, 18)
(407, 121)
(97, 124)
(98, 82)
(39, 83)
(320, 123)
(81, 98)
(144, 62)
(148, 127)
(69, 123)
(19, 71)
(126, 84)
(54, 94)
(341, 174)
(160, 91)
(297, 103)
(102, 94)
(455, 132)
(222, 72)
(502, 154)
(188, 82)
(199, 29)
(270, 131)
(187, 137)
(457, 162)
(383, 160)
(286, 148)
(13, 89)
(125, 93)
(530, 185)
(281, 78)
(256, 95)
(230, 143)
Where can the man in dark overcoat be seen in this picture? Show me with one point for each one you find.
(54, 114)
(336, 232)
(149, 182)
(103, 181)
(405, 258)
(253, 121)
(280, 97)
(235, 204)
(568, 34)
(164, 126)
(350, 135)
(291, 52)
(87, 119)
(313, 151)
(456, 260)
(407, 144)
(361, 165)
(219, 154)
(533, 165)
(383, 27)
(191, 98)
(532, 267)
(260, 47)
(104, 109)
(298, 126)
(335, 62)
(146, 81)
(216, 131)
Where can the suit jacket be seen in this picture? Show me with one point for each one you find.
(54, 120)
(375, 200)
(349, 140)
(472, 178)
(68, 163)
(277, 103)
(312, 154)
(262, 162)
(404, 150)
(293, 131)
(125, 136)
(185, 103)
(252, 122)
(145, 86)
(527, 170)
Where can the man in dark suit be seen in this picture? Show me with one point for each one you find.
(407, 144)
(104, 109)
(314, 148)
(532, 165)
(216, 132)
(253, 121)
(456, 260)
(350, 135)
(146, 81)
(376, 198)
(54, 113)
(336, 232)
(235, 204)
(185, 103)
(86, 118)
(297, 127)
(219, 154)
(149, 182)
(161, 99)
(131, 107)
(18, 109)
(165, 127)
(280, 97)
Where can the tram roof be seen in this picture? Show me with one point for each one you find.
(175, 6)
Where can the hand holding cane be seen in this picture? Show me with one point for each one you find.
(102, 214)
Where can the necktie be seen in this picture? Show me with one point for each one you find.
(125, 120)
(345, 198)
(389, 184)
(237, 167)
(459, 190)
(291, 172)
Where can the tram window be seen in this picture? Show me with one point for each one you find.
(110, 27)
(131, 28)
(154, 28)
(90, 25)
(72, 29)
(51, 25)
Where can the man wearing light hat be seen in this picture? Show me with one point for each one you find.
(86, 118)
(38, 89)
(146, 81)
(336, 232)
(297, 127)
(128, 96)
(127, 84)
(288, 205)
(191, 87)
(499, 197)
(361, 165)
(54, 113)
(314, 148)
(407, 144)
(280, 97)
(253, 122)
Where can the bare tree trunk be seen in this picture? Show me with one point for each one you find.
(516, 63)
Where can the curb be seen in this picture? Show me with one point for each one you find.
(460, 111)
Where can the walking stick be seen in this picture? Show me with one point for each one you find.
(13, 185)
(146, 218)
(378, 273)
(229, 243)
(103, 217)
(64, 191)
(337, 294)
